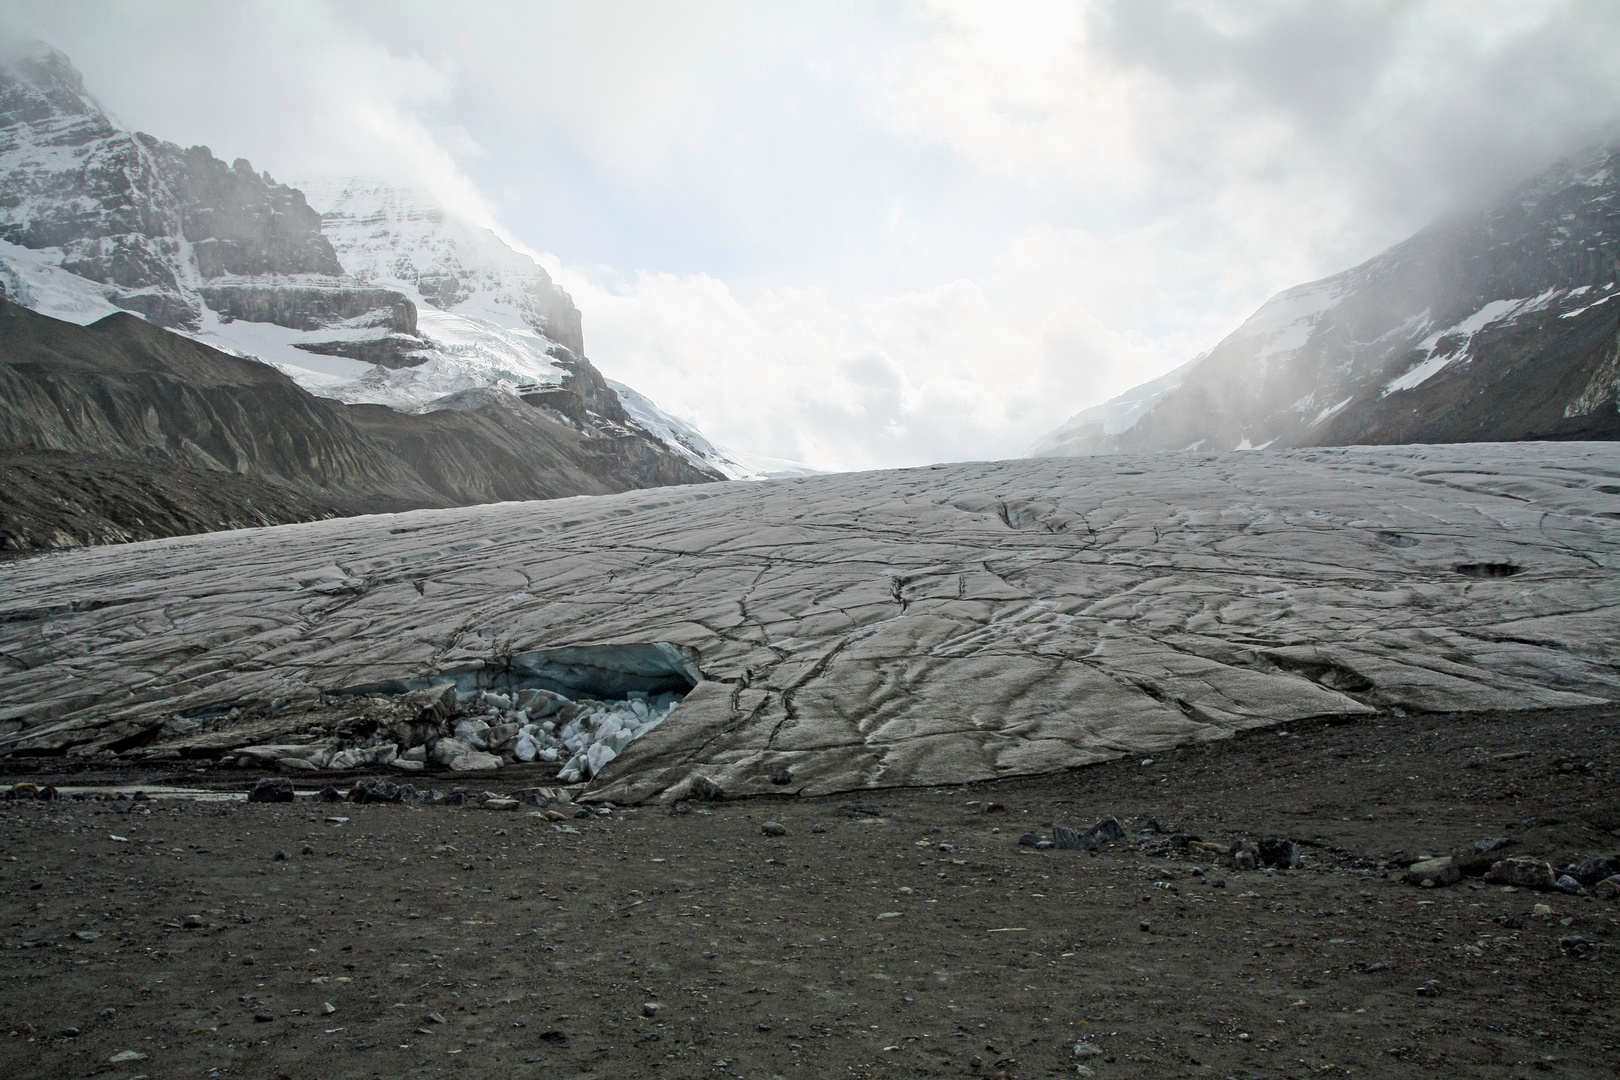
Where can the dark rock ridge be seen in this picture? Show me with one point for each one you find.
(1498, 325)
(122, 206)
(92, 416)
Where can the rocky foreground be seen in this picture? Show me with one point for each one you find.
(903, 933)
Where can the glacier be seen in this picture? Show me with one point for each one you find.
(922, 626)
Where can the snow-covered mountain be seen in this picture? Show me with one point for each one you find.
(362, 292)
(1493, 326)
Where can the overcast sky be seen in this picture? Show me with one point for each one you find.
(883, 234)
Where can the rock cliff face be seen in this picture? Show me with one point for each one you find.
(93, 416)
(144, 219)
(411, 308)
(1493, 326)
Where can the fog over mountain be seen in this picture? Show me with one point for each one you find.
(874, 237)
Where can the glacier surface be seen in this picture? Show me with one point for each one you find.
(922, 626)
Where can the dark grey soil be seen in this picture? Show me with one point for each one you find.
(462, 941)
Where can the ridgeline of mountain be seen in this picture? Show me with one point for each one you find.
(472, 357)
(122, 430)
(1497, 326)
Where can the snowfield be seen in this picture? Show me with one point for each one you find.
(890, 628)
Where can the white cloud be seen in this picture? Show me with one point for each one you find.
(875, 236)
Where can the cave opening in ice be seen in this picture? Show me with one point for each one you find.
(578, 706)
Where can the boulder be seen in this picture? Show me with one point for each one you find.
(444, 751)
(272, 789)
(1608, 888)
(1433, 873)
(1279, 853)
(1523, 872)
(502, 737)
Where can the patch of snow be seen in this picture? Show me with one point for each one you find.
(34, 280)
(1494, 312)
(1331, 410)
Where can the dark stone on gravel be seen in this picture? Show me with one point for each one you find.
(702, 787)
(330, 794)
(374, 789)
(1429, 989)
(1591, 871)
(782, 776)
(270, 789)
(772, 828)
(1575, 945)
(1279, 853)
(1108, 828)
(281, 856)
(1030, 839)
(1567, 884)
(862, 808)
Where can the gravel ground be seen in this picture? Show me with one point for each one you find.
(921, 939)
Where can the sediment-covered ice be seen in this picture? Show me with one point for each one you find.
(921, 626)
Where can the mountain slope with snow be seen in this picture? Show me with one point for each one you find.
(377, 296)
(1495, 326)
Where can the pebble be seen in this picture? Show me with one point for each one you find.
(126, 1055)
(281, 856)
(1567, 884)
(1085, 1050)
(327, 1008)
(818, 827)
(773, 828)
(1429, 989)
(500, 804)
(650, 1009)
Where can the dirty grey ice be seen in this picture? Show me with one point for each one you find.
(921, 626)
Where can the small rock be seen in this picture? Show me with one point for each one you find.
(1067, 839)
(772, 828)
(556, 815)
(1608, 888)
(107, 1013)
(1108, 828)
(1591, 871)
(1217, 883)
(1522, 872)
(308, 850)
(327, 1008)
(330, 794)
(87, 935)
(1145, 926)
(436, 1018)
(1429, 989)
(1434, 873)
(1567, 884)
(124, 1056)
(782, 777)
(818, 827)
(475, 761)
(1574, 945)
(193, 922)
(994, 808)
(1279, 853)
(262, 1018)
(1030, 839)
(1086, 1050)
(701, 787)
(501, 804)
(281, 856)
(374, 789)
(649, 1009)
(272, 789)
